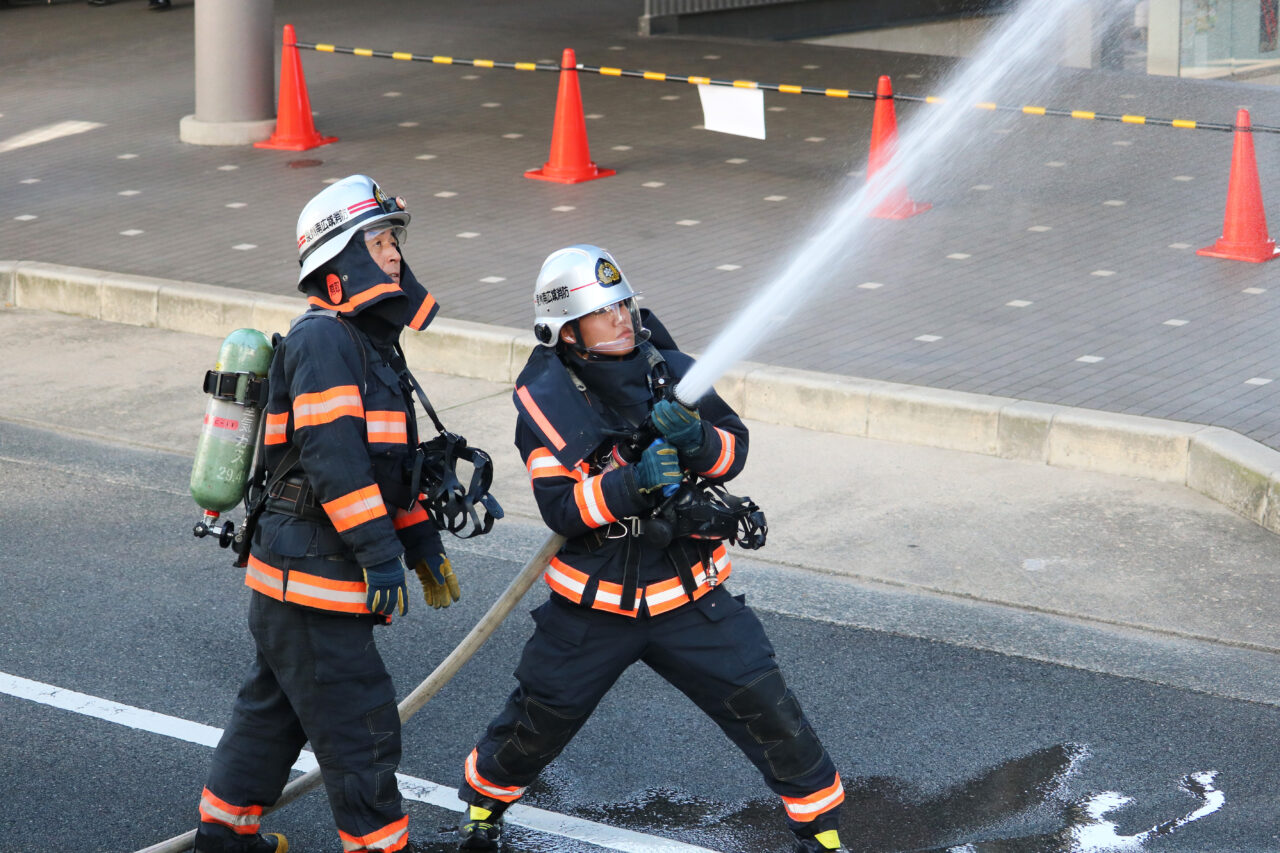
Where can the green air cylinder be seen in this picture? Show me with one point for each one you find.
(224, 453)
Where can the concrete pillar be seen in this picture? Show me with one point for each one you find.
(235, 73)
(1164, 37)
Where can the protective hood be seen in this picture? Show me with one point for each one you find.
(622, 383)
(352, 284)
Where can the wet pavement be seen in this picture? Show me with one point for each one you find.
(958, 722)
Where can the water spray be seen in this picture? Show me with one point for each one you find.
(1015, 50)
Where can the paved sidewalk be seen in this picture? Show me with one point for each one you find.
(1092, 226)
(1101, 572)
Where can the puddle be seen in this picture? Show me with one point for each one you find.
(1021, 806)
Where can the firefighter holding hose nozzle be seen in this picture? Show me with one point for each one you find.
(631, 476)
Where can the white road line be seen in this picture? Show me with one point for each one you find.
(411, 787)
(47, 134)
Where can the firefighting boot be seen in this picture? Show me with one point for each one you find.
(823, 842)
(481, 825)
(271, 842)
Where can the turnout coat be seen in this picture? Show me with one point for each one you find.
(339, 408)
(565, 433)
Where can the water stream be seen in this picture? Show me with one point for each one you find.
(1020, 53)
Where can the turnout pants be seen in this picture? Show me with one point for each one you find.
(318, 677)
(713, 650)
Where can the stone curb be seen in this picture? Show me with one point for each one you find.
(1233, 470)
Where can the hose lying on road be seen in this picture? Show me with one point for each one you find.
(423, 692)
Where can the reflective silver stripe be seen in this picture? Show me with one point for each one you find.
(246, 821)
(389, 842)
(728, 450)
(816, 806)
(310, 410)
(593, 500)
(564, 580)
(675, 592)
(299, 587)
(476, 781)
(264, 579)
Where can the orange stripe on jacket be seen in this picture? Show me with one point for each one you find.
(322, 407)
(409, 517)
(276, 429)
(387, 427)
(539, 418)
(264, 578)
(542, 464)
(727, 454)
(355, 508)
(326, 593)
(591, 506)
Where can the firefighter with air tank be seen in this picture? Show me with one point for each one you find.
(631, 477)
(339, 519)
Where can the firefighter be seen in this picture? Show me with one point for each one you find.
(329, 555)
(617, 595)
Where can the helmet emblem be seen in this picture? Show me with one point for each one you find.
(606, 273)
(335, 288)
(379, 197)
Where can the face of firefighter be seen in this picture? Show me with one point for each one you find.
(384, 248)
(607, 331)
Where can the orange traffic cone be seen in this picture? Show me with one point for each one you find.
(884, 142)
(1244, 228)
(295, 130)
(570, 161)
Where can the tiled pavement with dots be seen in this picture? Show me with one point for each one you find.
(1057, 264)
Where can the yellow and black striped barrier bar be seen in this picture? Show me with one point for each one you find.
(787, 89)
(436, 60)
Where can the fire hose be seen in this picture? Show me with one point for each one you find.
(421, 694)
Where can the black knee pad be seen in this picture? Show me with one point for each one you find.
(774, 719)
(536, 740)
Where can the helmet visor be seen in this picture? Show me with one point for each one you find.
(386, 230)
(614, 329)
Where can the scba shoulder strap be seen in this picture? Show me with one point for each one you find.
(434, 475)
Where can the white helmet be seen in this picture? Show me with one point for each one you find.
(575, 282)
(340, 210)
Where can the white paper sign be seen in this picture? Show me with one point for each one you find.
(729, 110)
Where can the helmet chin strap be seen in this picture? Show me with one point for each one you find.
(575, 346)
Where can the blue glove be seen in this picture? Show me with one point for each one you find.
(680, 425)
(659, 466)
(385, 592)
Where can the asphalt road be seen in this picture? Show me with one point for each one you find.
(941, 746)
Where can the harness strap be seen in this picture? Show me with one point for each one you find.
(685, 563)
(630, 573)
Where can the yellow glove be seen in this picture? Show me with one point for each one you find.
(439, 584)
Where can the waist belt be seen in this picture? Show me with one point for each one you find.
(684, 555)
(589, 591)
(294, 496)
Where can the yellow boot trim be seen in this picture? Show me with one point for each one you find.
(829, 839)
(477, 813)
(282, 843)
